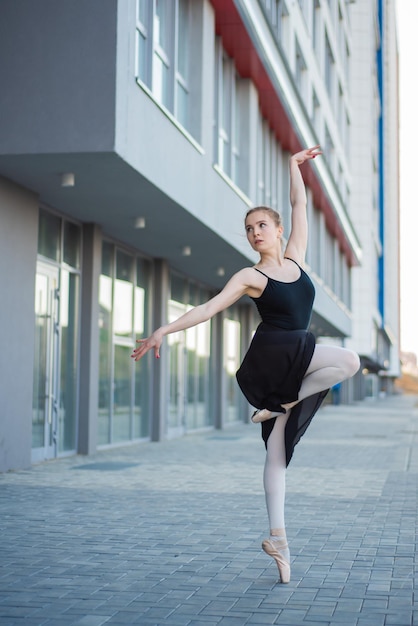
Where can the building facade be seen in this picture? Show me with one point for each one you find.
(134, 136)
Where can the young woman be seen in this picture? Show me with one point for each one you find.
(284, 375)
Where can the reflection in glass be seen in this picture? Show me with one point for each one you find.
(143, 11)
(175, 341)
(142, 57)
(182, 104)
(142, 367)
(189, 360)
(44, 403)
(72, 239)
(124, 394)
(123, 302)
(122, 397)
(183, 40)
(231, 349)
(105, 332)
(198, 379)
(161, 80)
(49, 235)
(41, 361)
(161, 24)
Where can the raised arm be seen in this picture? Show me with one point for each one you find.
(298, 238)
(236, 287)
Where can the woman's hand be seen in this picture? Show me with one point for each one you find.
(152, 342)
(305, 155)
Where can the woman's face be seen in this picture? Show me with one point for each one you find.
(262, 231)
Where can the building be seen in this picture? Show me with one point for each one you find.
(374, 206)
(134, 136)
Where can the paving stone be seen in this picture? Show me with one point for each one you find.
(170, 533)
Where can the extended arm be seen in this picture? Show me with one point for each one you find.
(236, 287)
(298, 238)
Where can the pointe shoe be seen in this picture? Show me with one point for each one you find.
(262, 415)
(279, 551)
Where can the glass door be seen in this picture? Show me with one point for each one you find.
(45, 377)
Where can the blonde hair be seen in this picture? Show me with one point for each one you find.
(275, 216)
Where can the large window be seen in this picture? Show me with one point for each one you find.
(124, 292)
(189, 359)
(228, 116)
(163, 33)
(57, 304)
(231, 356)
(278, 16)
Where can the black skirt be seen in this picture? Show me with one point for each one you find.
(271, 374)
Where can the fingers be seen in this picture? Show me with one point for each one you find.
(144, 347)
(314, 152)
(308, 153)
(141, 350)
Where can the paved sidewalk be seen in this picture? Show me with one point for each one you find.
(169, 533)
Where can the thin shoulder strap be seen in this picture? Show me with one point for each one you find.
(257, 270)
(293, 260)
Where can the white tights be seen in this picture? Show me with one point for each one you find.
(329, 365)
(274, 477)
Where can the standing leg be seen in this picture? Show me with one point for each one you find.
(274, 488)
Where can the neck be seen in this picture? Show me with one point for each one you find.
(271, 259)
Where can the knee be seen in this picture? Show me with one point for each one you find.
(351, 363)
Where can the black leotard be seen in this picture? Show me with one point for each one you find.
(287, 305)
(280, 352)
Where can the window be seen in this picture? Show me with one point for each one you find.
(278, 17)
(316, 115)
(124, 394)
(163, 53)
(57, 322)
(300, 72)
(231, 356)
(189, 360)
(316, 28)
(329, 69)
(228, 116)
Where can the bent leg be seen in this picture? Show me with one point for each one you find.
(329, 365)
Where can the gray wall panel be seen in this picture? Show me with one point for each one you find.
(60, 94)
(18, 249)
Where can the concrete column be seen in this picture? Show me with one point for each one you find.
(89, 349)
(18, 249)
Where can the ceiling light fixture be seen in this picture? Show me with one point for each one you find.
(140, 222)
(67, 179)
(186, 251)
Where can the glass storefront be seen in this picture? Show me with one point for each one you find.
(125, 386)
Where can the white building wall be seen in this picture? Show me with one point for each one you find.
(391, 189)
(364, 187)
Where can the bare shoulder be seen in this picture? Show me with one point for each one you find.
(253, 281)
(249, 276)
